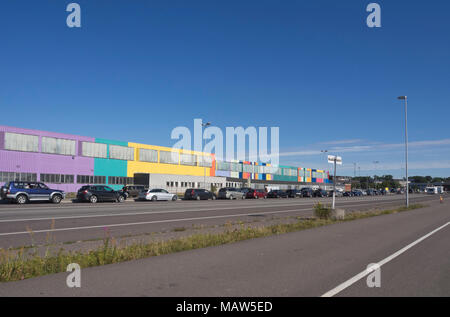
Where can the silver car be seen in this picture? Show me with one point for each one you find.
(231, 193)
(157, 194)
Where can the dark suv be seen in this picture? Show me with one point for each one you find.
(293, 193)
(133, 190)
(307, 192)
(276, 193)
(23, 192)
(95, 193)
(198, 194)
(320, 193)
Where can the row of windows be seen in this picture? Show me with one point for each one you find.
(12, 176)
(118, 180)
(30, 143)
(57, 178)
(190, 184)
(90, 179)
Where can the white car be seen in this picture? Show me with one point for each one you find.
(157, 194)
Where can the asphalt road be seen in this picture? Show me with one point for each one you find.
(305, 263)
(22, 225)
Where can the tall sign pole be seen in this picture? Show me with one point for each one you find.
(335, 160)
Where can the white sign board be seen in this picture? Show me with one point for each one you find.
(338, 159)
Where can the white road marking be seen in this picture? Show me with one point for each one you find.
(361, 275)
(179, 211)
(151, 222)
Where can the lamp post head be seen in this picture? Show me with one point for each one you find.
(402, 97)
(207, 124)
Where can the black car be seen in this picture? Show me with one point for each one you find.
(320, 193)
(133, 190)
(307, 192)
(198, 194)
(245, 190)
(293, 193)
(95, 193)
(277, 194)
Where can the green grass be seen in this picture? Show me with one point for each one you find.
(19, 265)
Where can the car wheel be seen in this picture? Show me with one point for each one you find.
(231, 197)
(154, 198)
(120, 199)
(93, 199)
(56, 199)
(21, 199)
(174, 198)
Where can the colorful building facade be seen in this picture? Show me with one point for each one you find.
(67, 162)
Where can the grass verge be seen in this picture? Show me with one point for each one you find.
(20, 265)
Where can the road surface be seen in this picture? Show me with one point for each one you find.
(312, 262)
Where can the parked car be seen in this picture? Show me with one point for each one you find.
(347, 194)
(157, 194)
(245, 190)
(277, 194)
(96, 193)
(293, 193)
(230, 193)
(320, 193)
(306, 192)
(357, 193)
(198, 194)
(256, 194)
(133, 190)
(371, 192)
(23, 192)
(338, 193)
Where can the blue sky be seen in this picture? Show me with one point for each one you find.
(312, 68)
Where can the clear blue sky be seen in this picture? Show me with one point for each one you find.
(312, 68)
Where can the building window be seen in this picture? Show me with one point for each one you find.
(58, 146)
(223, 166)
(188, 159)
(205, 161)
(120, 180)
(12, 176)
(147, 155)
(57, 178)
(21, 142)
(247, 168)
(91, 149)
(118, 152)
(91, 179)
(168, 157)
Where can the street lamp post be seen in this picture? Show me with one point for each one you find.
(405, 98)
(205, 125)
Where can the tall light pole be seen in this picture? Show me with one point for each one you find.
(405, 98)
(204, 125)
